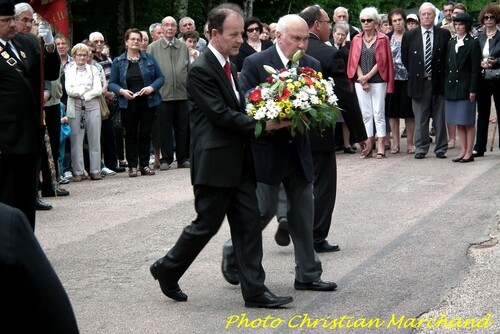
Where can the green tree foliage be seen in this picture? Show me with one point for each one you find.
(113, 17)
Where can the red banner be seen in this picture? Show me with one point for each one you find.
(55, 12)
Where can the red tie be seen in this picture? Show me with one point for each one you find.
(227, 68)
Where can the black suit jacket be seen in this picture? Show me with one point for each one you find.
(333, 65)
(271, 152)
(246, 50)
(220, 128)
(20, 96)
(463, 69)
(33, 298)
(412, 52)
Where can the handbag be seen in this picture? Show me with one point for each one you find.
(103, 106)
(492, 74)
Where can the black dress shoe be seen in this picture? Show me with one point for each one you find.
(229, 268)
(467, 160)
(419, 155)
(118, 169)
(282, 237)
(478, 154)
(459, 159)
(169, 288)
(60, 192)
(326, 247)
(318, 285)
(441, 155)
(349, 150)
(42, 206)
(268, 300)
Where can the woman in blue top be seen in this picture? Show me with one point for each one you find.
(136, 78)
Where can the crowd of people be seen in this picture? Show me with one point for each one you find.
(181, 98)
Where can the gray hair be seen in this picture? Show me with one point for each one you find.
(153, 26)
(23, 7)
(94, 35)
(427, 5)
(370, 12)
(341, 9)
(342, 26)
(186, 18)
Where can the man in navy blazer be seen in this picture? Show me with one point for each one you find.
(221, 168)
(281, 158)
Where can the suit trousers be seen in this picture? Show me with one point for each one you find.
(300, 219)
(211, 205)
(173, 120)
(325, 191)
(487, 89)
(423, 108)
(18, 183)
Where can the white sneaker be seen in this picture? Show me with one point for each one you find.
(68, 175)
(106, 171)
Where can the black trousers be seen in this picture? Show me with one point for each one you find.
(487, 89)
(108, 143)
(139, 118)
(212, 204)
(173, 120)
(325, 192)
(18, 183)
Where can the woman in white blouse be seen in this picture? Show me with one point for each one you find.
(83, 86)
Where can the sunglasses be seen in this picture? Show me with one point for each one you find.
(489, 17)
(366, 20)
(253, 30)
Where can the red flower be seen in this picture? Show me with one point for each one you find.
(284, 95)
(309, 81)
(256, 95)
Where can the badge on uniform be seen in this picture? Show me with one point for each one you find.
(5, 55)
(23, 54)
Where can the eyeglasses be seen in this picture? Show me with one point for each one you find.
(135, 39)
(81, 55)
(98, 41)
(8, 19)
(253, 30)
(328, 22)
(489, 17)
(25, 20)
(366, 20)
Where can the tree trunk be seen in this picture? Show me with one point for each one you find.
(249, 8)
(120, 26)
(182, 8)
(132, 12)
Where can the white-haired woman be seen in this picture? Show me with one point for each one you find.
(371, 69)
(83, 86)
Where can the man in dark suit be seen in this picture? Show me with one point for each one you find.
(221, 170)
(20, 112)
(323, 147)
(341, 14)
(33, 298)
(281, 158)
(426, 79)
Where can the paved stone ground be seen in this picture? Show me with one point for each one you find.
(405, 228)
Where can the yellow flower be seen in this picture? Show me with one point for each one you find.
(297, 84)
(288, 110)
(320, 75)
(282, 115)
(280, 105)
(261, 103)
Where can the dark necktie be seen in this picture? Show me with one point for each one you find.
(227, 69)
(289, 64)
(428, 53)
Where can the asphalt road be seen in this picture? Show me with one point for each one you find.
(405, 228)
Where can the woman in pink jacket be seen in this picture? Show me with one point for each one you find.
(370, 68)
